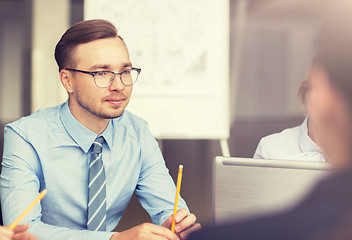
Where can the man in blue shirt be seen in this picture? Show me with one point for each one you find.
(52, 149)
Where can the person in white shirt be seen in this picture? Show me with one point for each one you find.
(297, 143)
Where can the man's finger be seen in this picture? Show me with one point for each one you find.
(185, 234)
(186, 223)
(20, 228)
(168, 222)
(164, 232)
(157, 237)
(180, 215)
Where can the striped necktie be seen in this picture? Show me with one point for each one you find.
(97, 189)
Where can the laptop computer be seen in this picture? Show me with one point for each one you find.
(245, 188)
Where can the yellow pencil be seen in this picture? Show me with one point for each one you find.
(178, 188)
(40, 197)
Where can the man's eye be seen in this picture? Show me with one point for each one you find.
(101, 74)
(126, 72)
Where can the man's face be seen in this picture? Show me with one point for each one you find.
(108, 54)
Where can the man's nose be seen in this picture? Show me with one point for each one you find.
(117, 84)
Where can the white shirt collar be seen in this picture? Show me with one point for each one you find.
(305, 142)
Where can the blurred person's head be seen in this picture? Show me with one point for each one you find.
(328, 95)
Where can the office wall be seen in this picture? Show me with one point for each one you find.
(46, 88)
(276, 55)
(11, 64)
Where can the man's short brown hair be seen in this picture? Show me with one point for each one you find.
(81, 32)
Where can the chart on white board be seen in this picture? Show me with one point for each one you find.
(182, 48)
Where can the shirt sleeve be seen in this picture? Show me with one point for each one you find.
(155, 189)
(21, 181)
(260, 151)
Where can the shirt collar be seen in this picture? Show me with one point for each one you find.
(107, 134)
(79, 133)
(305, 142)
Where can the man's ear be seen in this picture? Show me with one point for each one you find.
(66, 80)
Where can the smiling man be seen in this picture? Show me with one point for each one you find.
(89, 152)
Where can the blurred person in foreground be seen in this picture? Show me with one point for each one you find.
(326, 212)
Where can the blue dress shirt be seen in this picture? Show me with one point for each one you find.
(50, 150)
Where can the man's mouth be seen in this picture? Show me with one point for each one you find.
(116, 101)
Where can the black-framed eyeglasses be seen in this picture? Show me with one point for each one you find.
(104, 79)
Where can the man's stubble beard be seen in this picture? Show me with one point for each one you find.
(93, 110)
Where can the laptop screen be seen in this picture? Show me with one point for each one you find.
(244, 188)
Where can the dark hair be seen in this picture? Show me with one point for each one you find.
(334, 48)
(303, 91)
(81, 32)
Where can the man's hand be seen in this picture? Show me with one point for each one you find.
(185, 223)
(19, 233)
(145, 231)
(5, 233)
